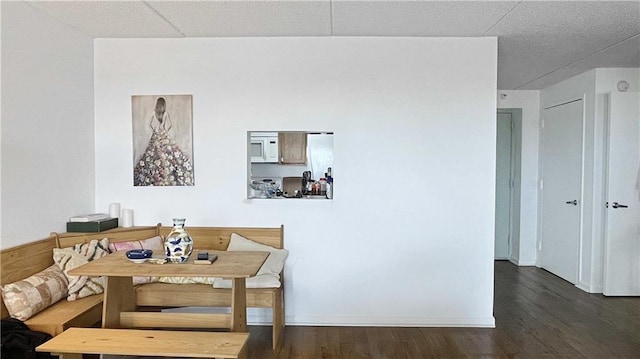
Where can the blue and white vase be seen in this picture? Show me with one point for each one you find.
(178, 245)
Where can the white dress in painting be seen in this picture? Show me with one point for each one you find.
(163, 163)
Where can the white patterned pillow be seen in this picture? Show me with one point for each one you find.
(73, 257)
(29, 296)
(274, 262)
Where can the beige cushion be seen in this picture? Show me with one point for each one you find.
(156, 244)
(29, 296)
(274, 263)
(73, 257)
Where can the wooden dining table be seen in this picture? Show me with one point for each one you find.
(119, 305)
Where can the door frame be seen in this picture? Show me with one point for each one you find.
(515, 182)
(606, 212)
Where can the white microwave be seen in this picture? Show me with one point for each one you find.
(264, 147)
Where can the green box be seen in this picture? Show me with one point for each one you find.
(94, 226)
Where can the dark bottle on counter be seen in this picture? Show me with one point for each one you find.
(306, 179)
(329, 179)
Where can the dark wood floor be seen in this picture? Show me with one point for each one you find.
(538, 315)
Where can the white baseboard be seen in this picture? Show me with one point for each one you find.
(587, 288)
(597, 290)
(259, 316)
(524, 263)
(489, 322)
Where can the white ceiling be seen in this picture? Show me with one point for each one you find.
(539, 42)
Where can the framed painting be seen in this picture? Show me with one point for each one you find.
(162, 140)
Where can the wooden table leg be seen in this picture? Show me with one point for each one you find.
(239, 310)
(119, 296)
(239, 305)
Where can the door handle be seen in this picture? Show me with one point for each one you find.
(574, 202)
(618, 205)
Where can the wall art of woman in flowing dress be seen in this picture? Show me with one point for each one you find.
(166, 158)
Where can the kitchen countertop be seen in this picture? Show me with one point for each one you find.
(303, 197)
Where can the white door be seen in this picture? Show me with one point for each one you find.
(622, 238)
(503, 186)
(561, 168)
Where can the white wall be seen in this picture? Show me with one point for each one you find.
(408, 238)
(592, 86)
(47, 124)
(529, 102)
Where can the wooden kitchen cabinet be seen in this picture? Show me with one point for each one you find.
(293, 147)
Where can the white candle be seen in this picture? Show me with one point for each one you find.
(114, 210)
(127, 218)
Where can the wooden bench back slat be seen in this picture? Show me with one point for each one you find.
(218, 237)
(25, 260)
(120, 234)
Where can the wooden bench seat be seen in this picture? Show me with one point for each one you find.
(74, 342)
(88, 311)
(30, 258)
(162, 295)
(152, 296)
(85, 312)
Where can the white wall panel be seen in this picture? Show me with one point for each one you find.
(47, 124)
(408, 238)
